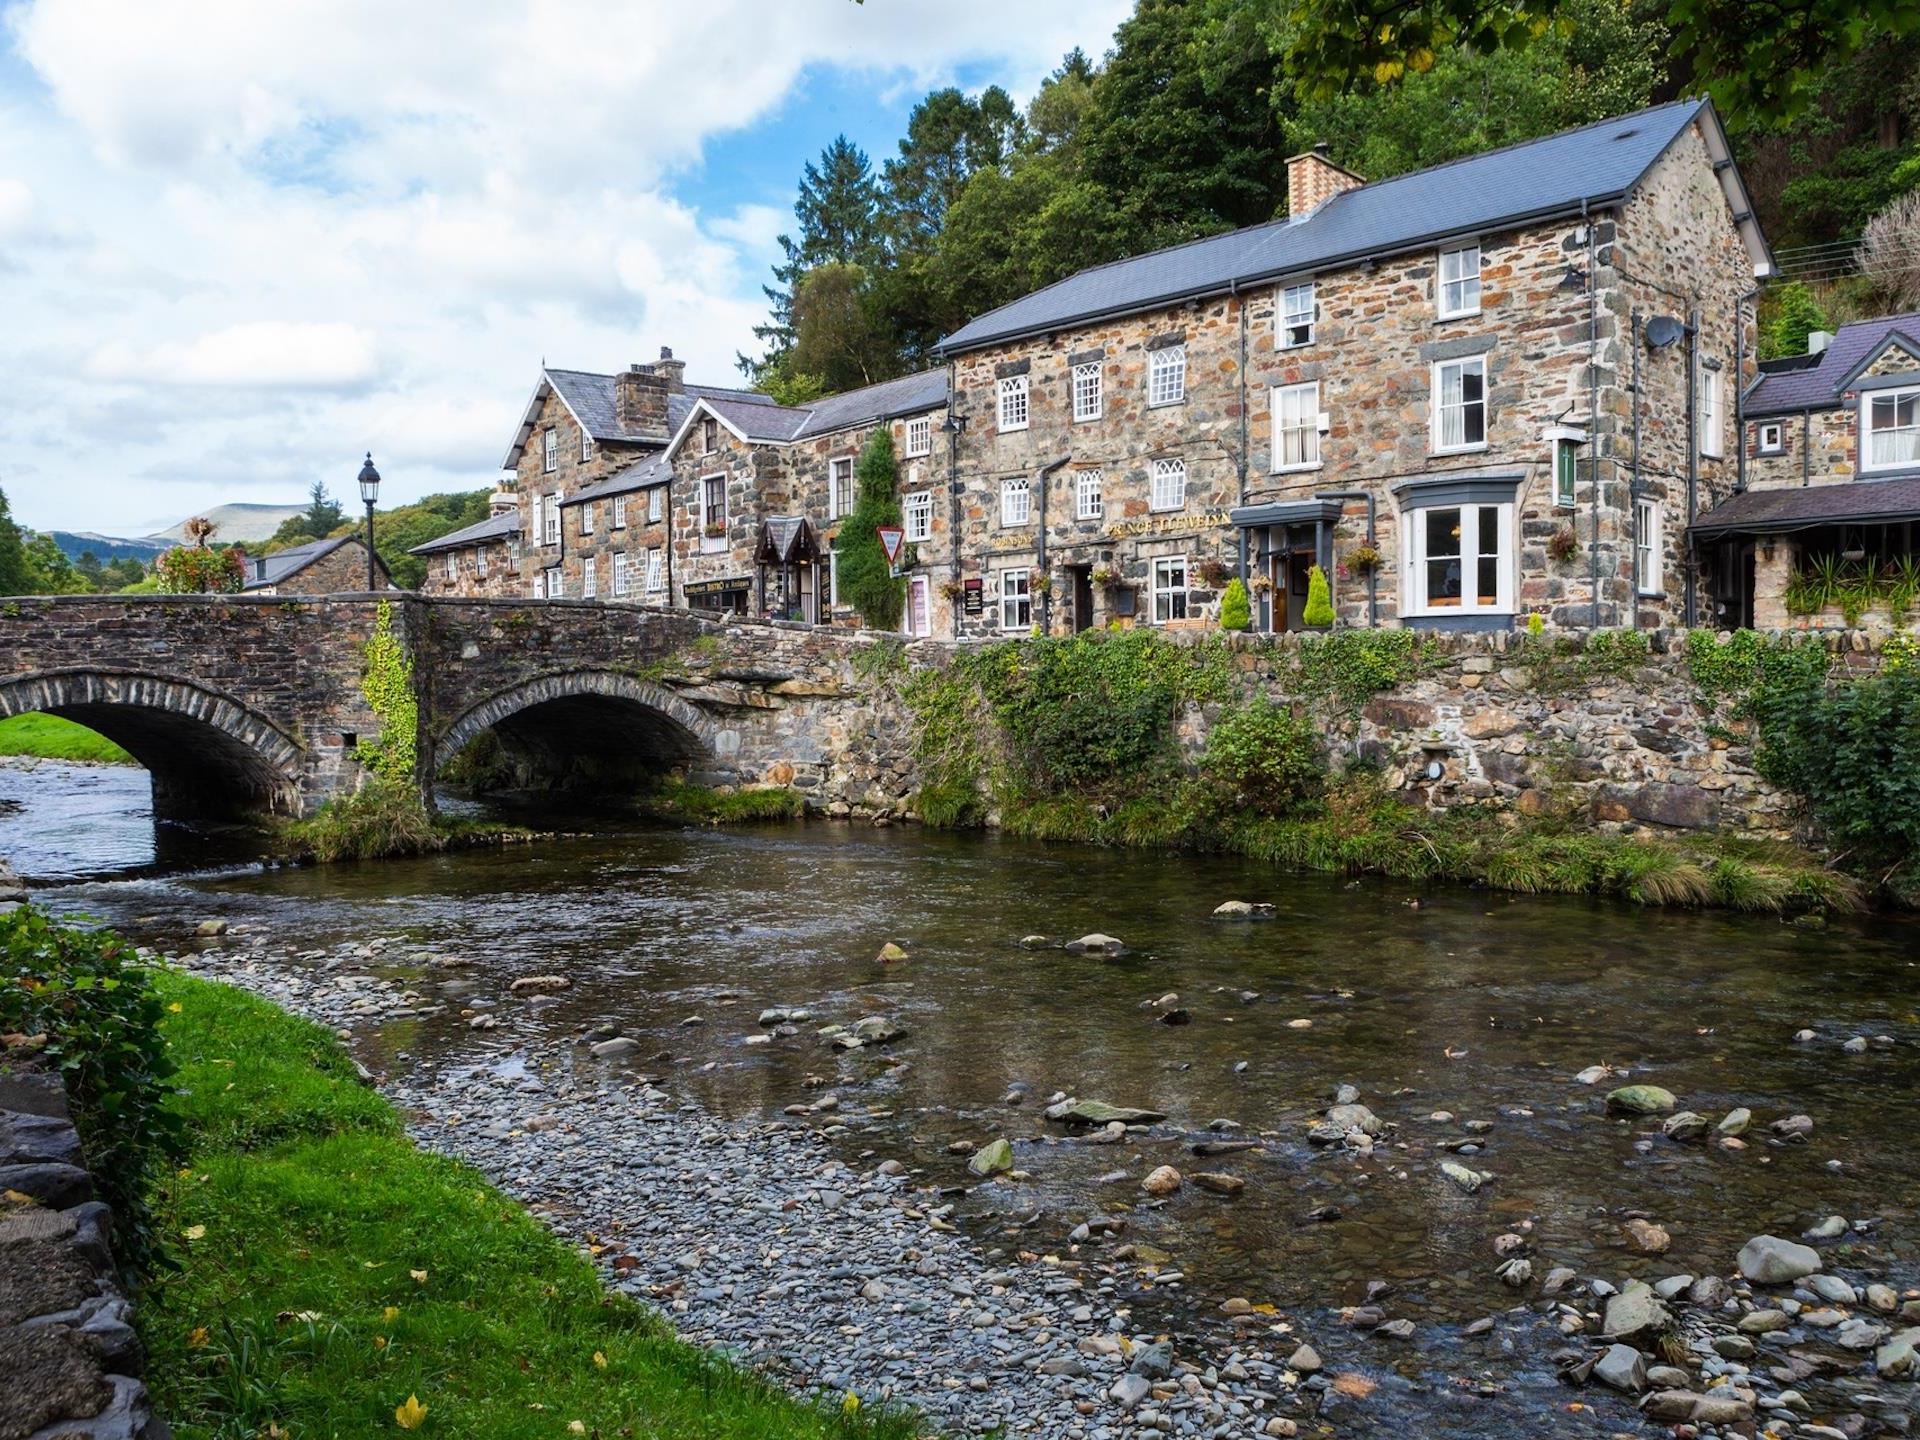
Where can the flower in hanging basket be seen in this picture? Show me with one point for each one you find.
(1104, 575)
(1040, 582)
(952, 589)
(1214, 574)
(1262, 584)
(1364, 560)
(1563, 545)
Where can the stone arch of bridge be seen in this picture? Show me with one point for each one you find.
(583, 726)
(208, 754)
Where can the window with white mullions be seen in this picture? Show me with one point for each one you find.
(1087, 501)
(1460, 559)
(1296, 426)
(1087, 399)
(840, 487)
(1892, 419)
(1169, 588)
(1016, 600)
(1167, 375)
(1712, 415)
(656, 571)
(551, 459)
(1016, 501)
(1459, 282)
(1646, 547)
(917, 515)
(1460, 404)
(621, 582)
(919, 437)
(1013, 402)
(1296, 316)
(1169, 485)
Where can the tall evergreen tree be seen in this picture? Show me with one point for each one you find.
(839, 222)
(866, 580)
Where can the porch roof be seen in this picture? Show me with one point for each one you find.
(1779, 512)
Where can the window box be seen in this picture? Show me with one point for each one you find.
(714, 529)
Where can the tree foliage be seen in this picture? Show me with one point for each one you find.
(866, 580)
(31, 563)
(1792, 314)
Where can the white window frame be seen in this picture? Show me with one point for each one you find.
(1013, 410)
(1089, 499)
(1016, 599)
(839, 468)
(1294, 411)
(1775, 446)
(656, 576)
(1893, 395)
(1170, 593)
(1168, 486)
(1712, 417)
(586, 446)
(453, 566)
(917, 516)
(539, 585)
(1457, 294)
(1413, 529)
(619, 512)
(586, 518)
(480, 561)
(1294, 321)
(1647, 567)
(1167, 376)
(551, 459)
(713, 542)
(622, 581)
(1016, 501)
(1089, 391)
(556, 583)
(1466, 364)
(709, 435)
(921, 586)
(919, 436)
(590, 578)
(656, 504)
(550, 519)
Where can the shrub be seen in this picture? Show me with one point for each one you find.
(191, 570)
(1319, 608)
(1236, 611)
(382, 819)
(90, 996)
(866, 580)
(1263, 758)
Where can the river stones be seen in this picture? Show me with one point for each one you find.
(1641, 1100)
(1622, 1368)
(1219, 1184)
(890, 954)
(1468, 1180)
(1647, 1238)
(1635, 1314)
(1099, 1112)
(538, 984)
(1095, 942)
(1242, 910)
(1735, 1122)
(1162, 1181)
(1769, 1260)
(613, 1049)
(1687, 1125)
(993, 1159)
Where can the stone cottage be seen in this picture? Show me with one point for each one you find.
(1821, 529)
(477, 560)
(320, 567)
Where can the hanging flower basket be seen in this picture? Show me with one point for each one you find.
(1364, 560)
(1261, 584)
(1040, 582)
(952, 589)
(1214, 574)
(1105, 575)
(1563, 545)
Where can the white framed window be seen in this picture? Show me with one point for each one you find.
(540, 585)
(919, 437)
(480, 561)
(621, 583)
(656, 504)
(917, 512)
(1460, 404)
(552, 457)
(1459, 559)
(1169, 485)
(550, 519)
(1296, 316)
(1087, 499)
(1013, 403)
(1088, 402)
(1296, 426)
(555, 587)
(1712, 416)
(1892, 422)
(1773, 438)
(1169, 588)
(1016, 600)
(839, 487)
(1646, 547)
(1016, 501)
(453, 565)
(1459, 282)
(590, 578)
(656, 570)
(713, 512)
(1566, 470)
(1167, 375)
(619, 512)
(833, 578)
(917, 616)
(586, 518)
(586, 446)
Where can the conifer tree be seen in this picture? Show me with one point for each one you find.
(866, 581)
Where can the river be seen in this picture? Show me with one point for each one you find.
(1480, 1005)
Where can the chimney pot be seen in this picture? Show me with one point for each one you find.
(1818, 341)
(666, 352)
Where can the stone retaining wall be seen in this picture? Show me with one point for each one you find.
(69, 1358)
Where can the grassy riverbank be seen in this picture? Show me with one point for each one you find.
(330, 1270)
(48, 737)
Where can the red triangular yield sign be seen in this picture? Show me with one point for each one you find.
(892, 537)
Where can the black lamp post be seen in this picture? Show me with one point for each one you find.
(369, 492)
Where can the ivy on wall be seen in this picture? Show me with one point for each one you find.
(387, 684)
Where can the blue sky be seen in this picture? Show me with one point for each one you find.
(240, 243)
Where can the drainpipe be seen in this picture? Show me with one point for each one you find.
(1373, 576)
(1046, 596)
(1633, 482)
(1806, 447)
(1689, 607)
(1740, 389)
(1593, 407)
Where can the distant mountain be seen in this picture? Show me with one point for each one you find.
(237, 523)
(75, 543)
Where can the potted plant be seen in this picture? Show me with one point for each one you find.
(952, 589)
(1214, 574)
(1105, 575)
(1318, 611)
(1262, 584)
(714, 529)
(1041, 582)
(1363, 560)
(1563, 545)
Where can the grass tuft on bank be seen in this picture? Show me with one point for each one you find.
(682, 800)
(48, 737)
(329, 1271)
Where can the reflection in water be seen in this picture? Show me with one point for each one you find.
(657, 925)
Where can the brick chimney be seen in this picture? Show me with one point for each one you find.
(640, 402)
(1313, 179)
(675, 371)
(502, 502)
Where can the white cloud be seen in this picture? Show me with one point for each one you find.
(242, 242)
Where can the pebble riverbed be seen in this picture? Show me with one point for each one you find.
(761, 1239)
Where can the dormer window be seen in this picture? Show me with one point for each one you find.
(552, 457)
(1459, 282)
(1890, 420)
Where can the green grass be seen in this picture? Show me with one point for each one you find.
(51, 738)
(299, 1307)
(679, 800)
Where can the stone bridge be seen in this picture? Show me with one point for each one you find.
(248, 704)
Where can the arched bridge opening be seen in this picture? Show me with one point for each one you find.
(595, 731)
(209, 756)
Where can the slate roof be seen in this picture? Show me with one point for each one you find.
(1818, 386)
(283, 565)
(1597, 164)
(908, 395)
(589, 396)
(643, 475)
(494, 527)
(1803, 507)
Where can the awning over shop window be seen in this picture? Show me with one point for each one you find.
(1807, 507)
(785, 540)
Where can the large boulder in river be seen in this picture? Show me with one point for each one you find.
(1769, 1260)
(993, 1159)
(1098, 1112)
(1096, 942)
(1635, 1315)
(1641, 1100)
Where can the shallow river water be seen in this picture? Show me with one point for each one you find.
(1478, 1004)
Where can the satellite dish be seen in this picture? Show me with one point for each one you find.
(1662, 331)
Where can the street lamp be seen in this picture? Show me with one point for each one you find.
(369, 492)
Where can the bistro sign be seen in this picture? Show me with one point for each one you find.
(1159, 524)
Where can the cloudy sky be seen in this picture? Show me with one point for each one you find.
(242, 242)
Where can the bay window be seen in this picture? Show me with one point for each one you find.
(1460, 404)
(1296, 426)
(1459, 551)
(1169, 588)
(1891, 419)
